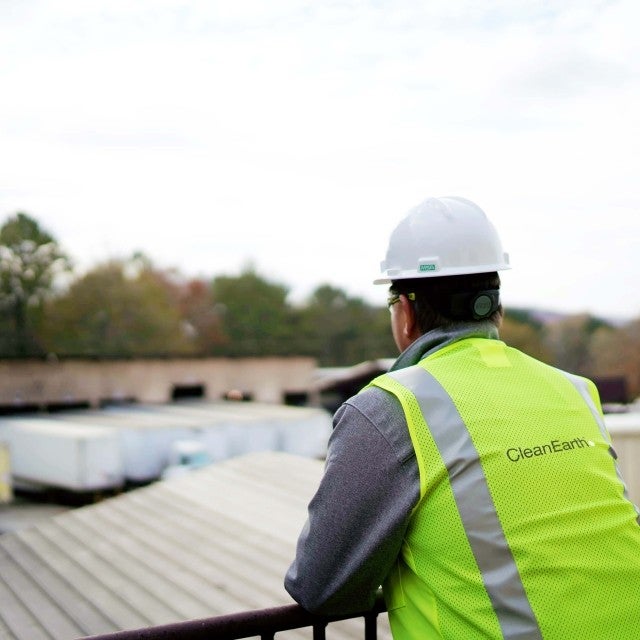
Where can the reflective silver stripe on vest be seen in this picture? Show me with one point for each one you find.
(477, 510)
(581, 386)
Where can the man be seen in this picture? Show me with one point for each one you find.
(476, 484)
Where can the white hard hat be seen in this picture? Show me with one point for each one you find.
(443, 237)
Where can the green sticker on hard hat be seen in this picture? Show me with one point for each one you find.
(427, 267)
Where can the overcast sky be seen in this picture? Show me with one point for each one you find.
(294, 134)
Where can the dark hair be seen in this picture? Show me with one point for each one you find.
(434, 298)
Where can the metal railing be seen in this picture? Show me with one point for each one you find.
(262, 623)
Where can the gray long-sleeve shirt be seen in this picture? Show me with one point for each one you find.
(358, 517)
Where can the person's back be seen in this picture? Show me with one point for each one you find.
(522, 530)
(476, 484)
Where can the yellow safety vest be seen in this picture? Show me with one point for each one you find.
(523, 528)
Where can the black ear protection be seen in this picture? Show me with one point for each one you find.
(478, 305)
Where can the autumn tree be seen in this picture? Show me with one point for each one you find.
(30, 260)
(120, 308)
(202, 317)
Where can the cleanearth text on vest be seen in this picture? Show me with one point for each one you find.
(555, 446)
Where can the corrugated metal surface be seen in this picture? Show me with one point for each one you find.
(213, 542)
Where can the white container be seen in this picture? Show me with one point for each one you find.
(47, 453)
(305, 433)
(144, 437)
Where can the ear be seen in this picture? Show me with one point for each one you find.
(409, 327)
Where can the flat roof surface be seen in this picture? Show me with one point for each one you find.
(186, 414)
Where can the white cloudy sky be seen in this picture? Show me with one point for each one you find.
(296, 133)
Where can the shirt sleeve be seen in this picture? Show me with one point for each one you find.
(359, 514)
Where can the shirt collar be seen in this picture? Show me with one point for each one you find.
(440, 337)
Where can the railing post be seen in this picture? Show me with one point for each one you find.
(319, 631)
(371, 626)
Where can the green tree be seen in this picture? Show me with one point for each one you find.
(255, 317)
(120, 308)
(339, 330)
(524, 316)
(30, 260)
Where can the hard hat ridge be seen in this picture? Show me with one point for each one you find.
(443, 237)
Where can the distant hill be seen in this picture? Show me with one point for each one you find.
(543, 317)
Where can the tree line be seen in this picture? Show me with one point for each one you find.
(132, 308)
